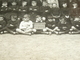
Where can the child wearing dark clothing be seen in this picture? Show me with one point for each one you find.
(2, 24)
(50, 24)
(23, 9)
(65, 10)
(64, 24)
(75, 11)
(45, 9)
(34, 10)
(75, 25)
(75, 17)
(55, 13)
(12, 25)
(4, 7)
(13, 7)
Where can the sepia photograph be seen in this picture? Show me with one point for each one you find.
(39, 29)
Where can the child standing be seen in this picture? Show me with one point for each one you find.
(55, 11)
(75, 16)
(33, 10)
(4, 7)
(13, 7)
(23, 9)
(44, 9)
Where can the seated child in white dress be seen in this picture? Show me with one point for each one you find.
(26, 26)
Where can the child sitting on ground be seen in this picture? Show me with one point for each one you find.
(12, 24)
(50, 25)
(64, 25)
(2, 24)
(26, 26)
(75, 25)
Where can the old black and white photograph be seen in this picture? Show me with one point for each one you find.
(39, 29)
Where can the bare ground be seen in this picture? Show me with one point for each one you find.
(40, 47)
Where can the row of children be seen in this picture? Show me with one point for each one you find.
(64, 20)
(33, 8)
(27, 27)
(44, 10)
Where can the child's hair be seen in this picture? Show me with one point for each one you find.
(1, 17)
(74, 3)
(38, 16)
(34, 2)
(24, 2)
(14, 3)
(14, 16)
(50, 17)
(27, 16)
(4, 3)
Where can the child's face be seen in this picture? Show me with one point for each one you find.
(75, 5)
(34, 3)
(24, 3)
(62, 20)
(13, 18)
(4, 4)
(54, 5)
(50, 20)
(26, 18)
(1, 18)
(50, 5)
(44, 3)
(65, 5)
(14, 3)
(77, 19)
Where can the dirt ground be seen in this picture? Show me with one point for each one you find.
(40, 47)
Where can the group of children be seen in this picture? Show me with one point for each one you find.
(21, 19)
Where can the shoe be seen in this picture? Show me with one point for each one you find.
(2, 32)
(14, 33)
(57, 33)
(50, 33)
(5, 31)
(30, 34)
(70, 32)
